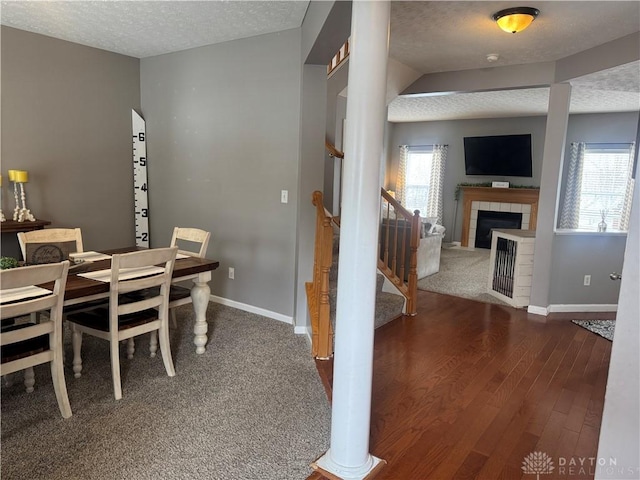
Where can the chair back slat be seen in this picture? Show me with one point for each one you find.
(134, 284)
(194, 236)
(126, 308)
(36, 330)
(25, 307)
(27, 276)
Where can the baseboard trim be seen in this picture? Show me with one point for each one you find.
(572, 308)
(302, 330)
(600, 307)
(537, 310)
(252, 309)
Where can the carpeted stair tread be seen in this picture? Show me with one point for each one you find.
(388, 305)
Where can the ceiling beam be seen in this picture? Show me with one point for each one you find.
(484, 79)
(608, 55)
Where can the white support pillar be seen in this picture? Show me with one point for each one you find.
(552, 159)
(348, 456)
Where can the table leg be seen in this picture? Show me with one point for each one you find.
(200, 294)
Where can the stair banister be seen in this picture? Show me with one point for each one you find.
(392, 267)
(388, 263)
(318, 289)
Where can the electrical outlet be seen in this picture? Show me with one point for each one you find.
(232, 273)
(587, 280)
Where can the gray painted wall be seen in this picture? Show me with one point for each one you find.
(223, 135)
(575, 256)
(66, 119)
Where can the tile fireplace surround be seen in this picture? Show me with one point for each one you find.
(520, 200)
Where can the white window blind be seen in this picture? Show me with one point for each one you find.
(418, 179)
(605, 176)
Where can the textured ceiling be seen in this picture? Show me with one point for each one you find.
(146, 28)
(426, 36)
(448, 36)
(507, 103)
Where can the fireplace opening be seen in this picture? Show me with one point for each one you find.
(488, 220)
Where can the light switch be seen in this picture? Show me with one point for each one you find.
(284, 196)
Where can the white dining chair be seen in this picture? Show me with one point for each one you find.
(194, 243)
(50, 244)
(25, 345)
(128, 316)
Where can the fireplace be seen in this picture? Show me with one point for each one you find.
(488, 220)
(513, 200)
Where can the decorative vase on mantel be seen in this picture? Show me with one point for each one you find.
(602, 226)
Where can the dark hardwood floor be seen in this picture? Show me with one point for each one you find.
(466, 390)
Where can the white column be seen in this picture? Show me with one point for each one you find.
(552, 160)
(348, 456)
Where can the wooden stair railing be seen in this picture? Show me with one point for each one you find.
(394, 255)
(318, 289)
(333, 151)
(395, 234)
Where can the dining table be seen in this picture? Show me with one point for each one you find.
(80, 289)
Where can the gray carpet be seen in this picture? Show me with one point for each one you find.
(604, 328)
(252, 406)
(463, 273)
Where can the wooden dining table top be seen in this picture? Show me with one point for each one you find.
(78, 286)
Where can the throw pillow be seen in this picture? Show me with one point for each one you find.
(428, 224)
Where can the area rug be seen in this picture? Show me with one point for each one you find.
(604, 328)
(463, 273)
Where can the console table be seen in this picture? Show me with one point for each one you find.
(11, 226)
(511, 265)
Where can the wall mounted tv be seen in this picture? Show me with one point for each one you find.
(501, 155)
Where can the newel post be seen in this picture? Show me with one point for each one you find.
(412, 308)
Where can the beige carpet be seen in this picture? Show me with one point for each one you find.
(463, 273)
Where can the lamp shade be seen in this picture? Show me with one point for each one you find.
(514, 20)
(12, 175)
(21, 176)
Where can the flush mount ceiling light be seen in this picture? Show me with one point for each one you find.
(513, 20)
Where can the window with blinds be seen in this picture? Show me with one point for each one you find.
(604, 186)
(418, 179)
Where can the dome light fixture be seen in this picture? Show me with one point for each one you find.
(516, 19)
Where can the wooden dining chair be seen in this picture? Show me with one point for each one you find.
(194, 243)
(49, 245)
(129, 316)
(25, 345)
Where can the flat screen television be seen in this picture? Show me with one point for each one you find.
(500, 155)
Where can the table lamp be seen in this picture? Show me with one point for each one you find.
(21, 177)
(12, 178)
